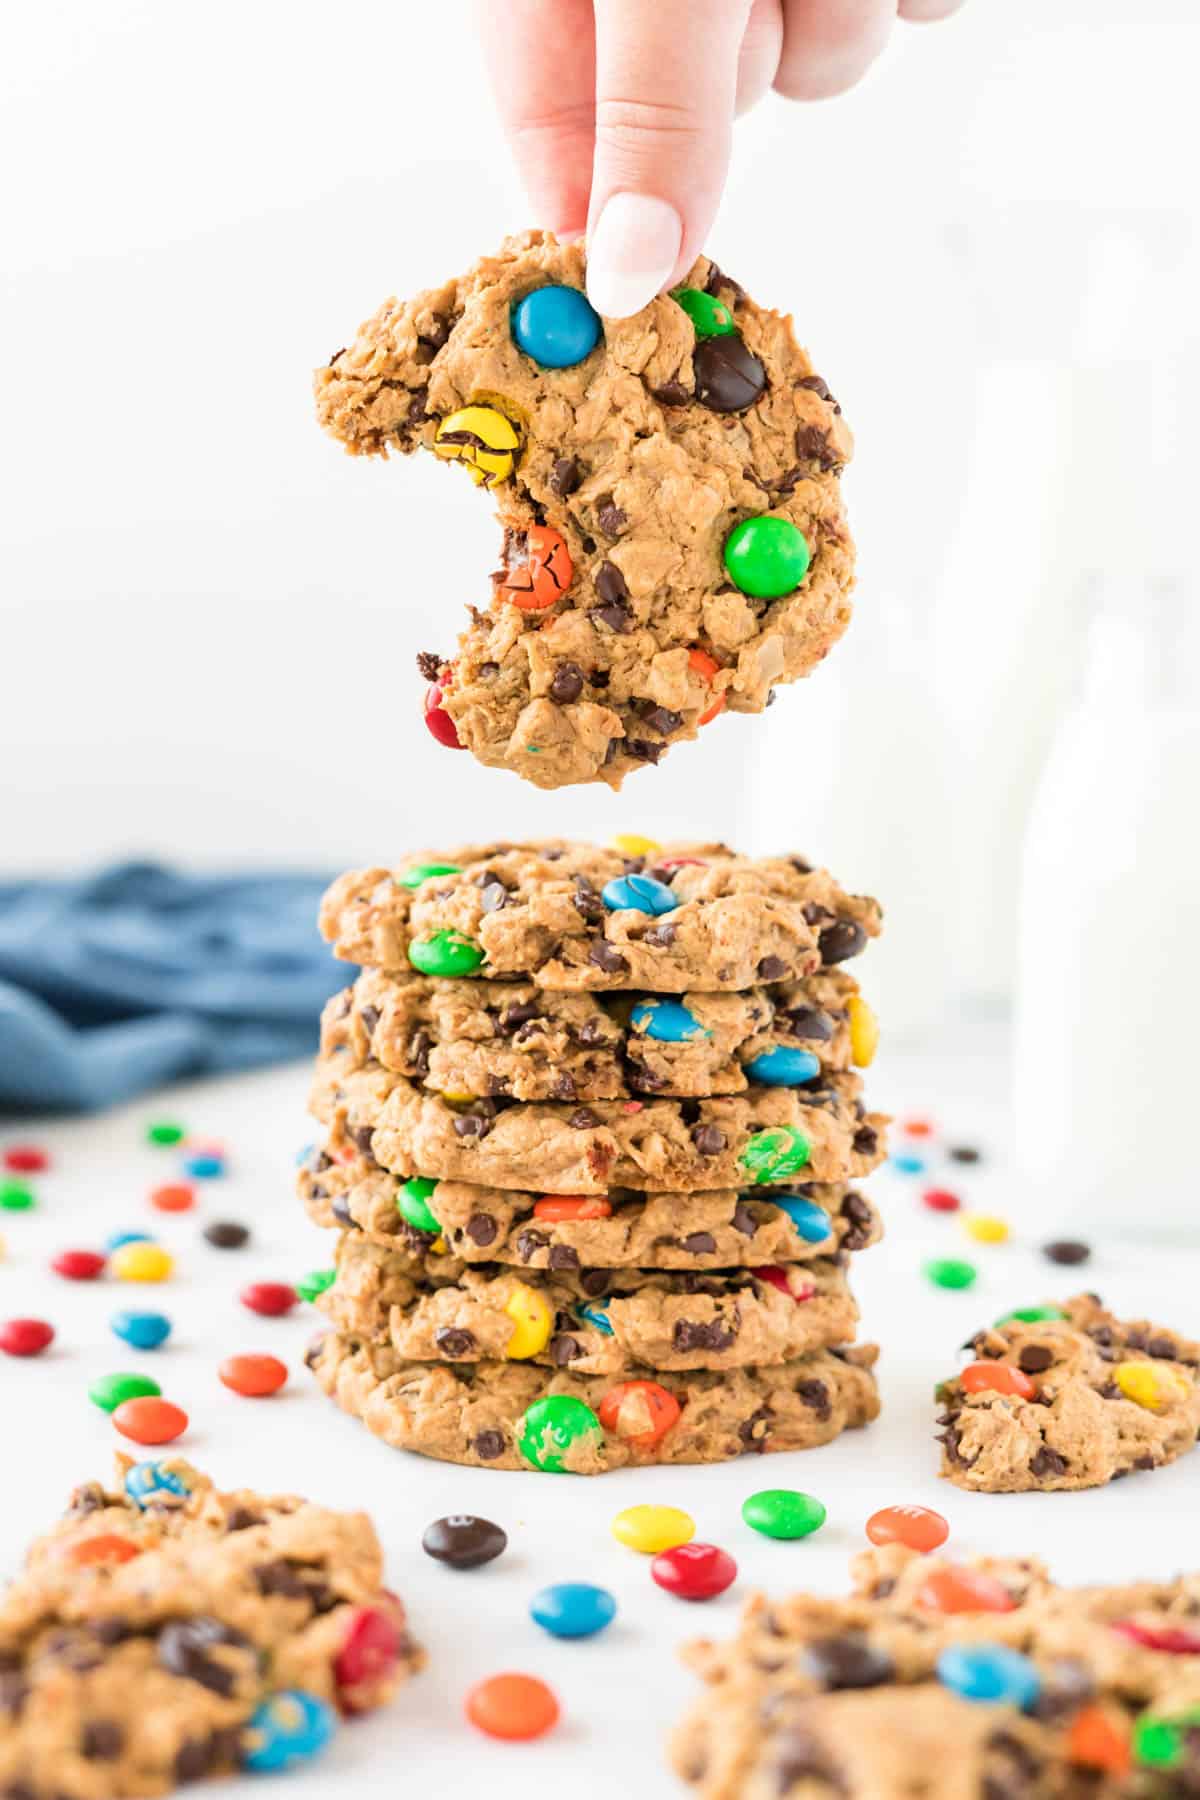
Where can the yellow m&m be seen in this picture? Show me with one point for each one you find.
(650, 1529)
(532, 1320)
(1150, 1385)
(864, 1031)
(630, 844)
(985, 1228)
(483, 440)
(141, 1262)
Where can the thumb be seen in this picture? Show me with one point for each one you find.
(666, 86)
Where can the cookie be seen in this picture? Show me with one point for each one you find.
(863, 1698)
(768, 1136)
(1068, 1400)
(518, 1416)
(511, 1039)
(164, 1631)
(594, 1321)
(674, 542)
(620, 1229)
(698, 918)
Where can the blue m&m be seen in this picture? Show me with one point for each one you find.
(556, 326)
(290, 1727)
(144, 1330)
(990, 1673)
(147, 1481)
(666, 1021)
(204, 1166)
(595, 1315)
(810, 1220)
(117, 1238)
(573, 1609)
(783, 1067)
(638, 893)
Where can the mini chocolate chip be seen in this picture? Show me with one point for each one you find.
(463, 1541)
(193, 1759)
(362, 1137)
(610, 584)
(587, 901)
(699, 1243)
(562, 1256)
(417, 414)
(808, 1022)
(602, 954)
(816, 1395)
(101, 1740)
(565, 476)
(453, 1343)
(772, 968)
(567, 684)
(564, 1349)
(617, 617)
(848, 1661)
(529, 1243)
(729, 377)
(660, 936)
(583, 1119)
(753, 1431)
(610, 518)
(473, 1124)
(643, 750)
(312, 1351)
(226, 1234)
(429, 664)
(1035, 1358)
(840, 941)
(1047, 1463)
(488, 1445)
(709, 1139)
(1067, 1250)
(242, 1519)
(817, 386)
(185, 1646)
(481, 1228)
(697, 1334)
(111, 1629)
(671, 393)
(812, 445)
(866, 1141)
(1144, 1462)
(744, 1219)
(599, 678)
(494, 897)
(661, 718)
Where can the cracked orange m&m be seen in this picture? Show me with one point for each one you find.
(996, 1378)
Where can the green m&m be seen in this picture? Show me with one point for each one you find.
(413, 1202)
(108, 1391)
(766, 557)
(16, 1196)
(1031, 1315)
(551, 1427)
(774, 1154)
(783, 1513)
(164, 1133)
(1160, 1743)
(445, 953)
(710, 317)
(412, 878)
(949, 1272)
(315, 1282)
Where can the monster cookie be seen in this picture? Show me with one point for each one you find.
(515, 1415)
(767, 1136)
(1068, 1397)
(674, 543)
(594, 1321)
(491, 1038)
(574, 917)
(974, 1681)
(343, 1186)
(164, 1631)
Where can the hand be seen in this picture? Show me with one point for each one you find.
(620, 112)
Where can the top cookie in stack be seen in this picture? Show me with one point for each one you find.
(608, 1067)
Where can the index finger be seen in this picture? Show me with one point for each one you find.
(542, 64)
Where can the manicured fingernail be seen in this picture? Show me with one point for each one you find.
(631, 252)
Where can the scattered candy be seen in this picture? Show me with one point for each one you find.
(141, 1262)
(556, 326)
(290, 1727)
(964, 1153)
(551, 1427)
(445, 953)
(226, 1234)
(253, 1375)
(437, 720)
(948, 1272)
(16, 1196)
(143, 1330)
(766, 557)
(109, 1391)
(118, 1238)
(996, 1378)
(533, 1323)
(864, 1032)
(1171, 1640)
(917, 1127)
(148, 1419)
(105, 1547)
(369, 1652)
(630, 844)
(951, 1589)
(905, 1163)
(707, 667)
(1151, 1385)
(641, 1412)
(164, 1133)
(463, 1541)
(651, 1529)
(694, 1571)
(203, 1167)
(315, 1283)
(710, 317)
(783, 1067)
(573, 1609)
(985, 1228)
(270, 1298)
(1067, 1250)
(175, 1197)
(560, 1207)
(666, 1021)
(638, 893)
(512, 1707)
(917, 1527)
(1031, 1315)
(990, 1673)
(25, 1159)
(25, 1337)
(783, 1513)
(78, 1265)
(774, 1154)
(811, 1221)
(1162, 1743)
(412, 1202)
(483, 440)
(940, 1200)
(1096, 1741)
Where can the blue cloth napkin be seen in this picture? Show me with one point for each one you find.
(139, 974)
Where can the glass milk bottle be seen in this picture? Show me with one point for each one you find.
(1107, 1050)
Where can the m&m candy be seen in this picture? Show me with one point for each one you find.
(533, 1323)
(1067, 1250)
(445, 953)
(707, 667)
(955, 1589)
(905, 1163)
(25, 1337)
(163, 1133)
(641, 1412)
(940, 1200)
(556, 326)
(289, 1727)
(766, 557)
(783, 1513)
(141, 1262)
(78, 1265)
(596, 1316)
(148, 1419)
(16, 1196)
(864, 1032)
(370, 1650)
(629, 843)
(438, 722)
(790, 1281)
(783, 1067)
(204, 1165)
(144, 1330)
(666, 1021)
(512, 1706)
(26, 1159)
(1096, 1740)
(1169, 1639)
(776, 1153)
(638, 893)
(104, 1547)
(560, 1208)
(253, 1375)
(997, 1378)
(649, 1529)
(116, 1238)
(573, 1609)
(710, 317)
(694, 1571)
(483, 440)
(553, 1427)
(985, 1228)
(109, 1391)
(949, 1272)
(412, 878)
(537, 568)
(463, 1541)
(413, 1204)
(916, 1527)
(311, 1286)
(148, 1482)
(173, 1197)
(810, 1221)
(990, 1673)
(1151, 1385)
(226, 1234)
(271, 1299)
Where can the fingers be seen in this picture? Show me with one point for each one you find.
(829, 44)
(666, 82)
(541, 61)
(761, 49)
(917, 12)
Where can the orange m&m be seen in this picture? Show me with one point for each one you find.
(512, 1706)
(706, 666)
(641, 1412)
(175, 1197)
(952, 1589)
(253, 1375)
(149, 1419)
(560, 1207)
(537, 568)
(917, 1527)
(105, 1547)
(1096, 1741)
(997, 1378)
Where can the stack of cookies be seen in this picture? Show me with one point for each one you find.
(592, 1124)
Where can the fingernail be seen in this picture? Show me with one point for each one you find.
(631, 252)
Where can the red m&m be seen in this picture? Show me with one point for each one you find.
(641, 1412)
(78, 1265)
(25, 1337)
(271, 1298)
(440, 724)
(367, 1655)
(26, 1159)
(940, 1200)
(1172, 1640)
(694, 1571)
(917, 1527)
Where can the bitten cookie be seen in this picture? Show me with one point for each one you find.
(518, 1416)
(163, 1632)
(1068, 1397)
(668, 485)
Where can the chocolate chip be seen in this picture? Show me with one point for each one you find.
(463, 1541)
(848, 1661)
(488, 1445)
(562, 1257)
(473, 1124)
(1066, 1685)
(567, 684)
(660, 936)
(111, 1629)
(417, 414)
(1163, 1348)
(610, 585)
(671, 393)
(186, 1646)
(583, 1119)
(753, 1432)
(1067, 1250)
(717, 279)
(610, 518)
(193, 1759)
(529, 1243)
(312, 1351)
(564, 1349)
(481, 1228)
(429, 664)
(816, 1395)
(699, 1243)
(602, 954)
(1046, 1463)
(226, 1234)
(643, 750)
(857, 1211)
(840, 941)
(101, 1740)
(13, 1692)
(1035, 1358)
(617, 617)
(817, 386)
(454, 1343)
(697, 1334)
(772, 968)
(362, 1137)
(565, 476)
(729, 378)
(495, 896)
(242, 1519)
(659, 718)
(587, 901)
(88, 1497)
(808, 1022)
(813, 446)
(709, 1139)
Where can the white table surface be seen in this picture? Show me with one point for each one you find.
(620, 1691)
